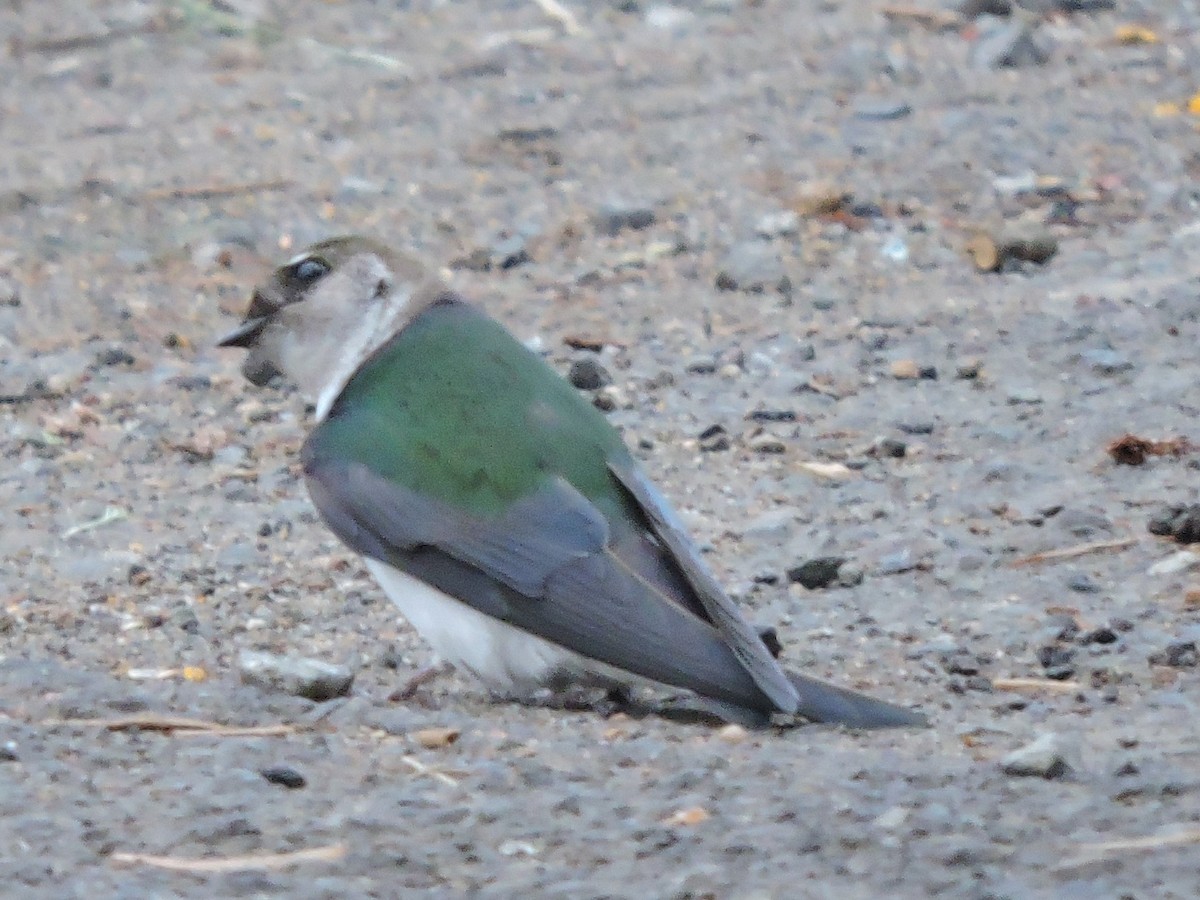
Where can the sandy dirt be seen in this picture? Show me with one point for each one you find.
(621, 176)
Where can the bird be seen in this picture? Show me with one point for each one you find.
(497, 507)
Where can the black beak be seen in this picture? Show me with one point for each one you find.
(245, 334)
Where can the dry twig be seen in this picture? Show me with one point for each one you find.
(216, 191)
(421, 769)
(221, 864)
(1036, 684)
(184, 726)
(939, 20)
(1092, 853)
(1072, 552)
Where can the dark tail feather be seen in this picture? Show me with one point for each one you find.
(823, 702)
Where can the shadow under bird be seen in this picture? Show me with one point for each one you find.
(495, 506)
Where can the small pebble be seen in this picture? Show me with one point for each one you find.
(816, 573)
(295, 675)
(732, 734)
(1042, 758)
(766, 443)
(714, 439)
(587, 374)
(613, 218)
(282, 775)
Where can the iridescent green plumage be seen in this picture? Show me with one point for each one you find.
(455, 408)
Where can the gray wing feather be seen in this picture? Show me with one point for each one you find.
(790, 691)
(544, 566)
(534, 538)
(743, 639)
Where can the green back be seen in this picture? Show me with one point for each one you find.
(454, 407)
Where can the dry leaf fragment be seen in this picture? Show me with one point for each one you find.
(693, 815)
(1132, 35)
(436, 738)
(1131, 450)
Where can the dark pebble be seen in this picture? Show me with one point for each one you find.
(1053, 656)
(772, 415)
(1179, 655)
(1083, 584)
(1103, 635)
(961, 664)
(392, 658)
(282, 775)
(192, 382)
(891, 448)
(916, 427)
(510, 253)
(588, 375)
(115, 356)
(816, 573)
(714, 438)
(614, 218)
(770, 640)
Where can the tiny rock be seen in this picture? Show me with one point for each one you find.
(587, 374)
(298, 676)
(733, 734)
(905, 369)
(1042, 758)
(816, 573)
(764, 442)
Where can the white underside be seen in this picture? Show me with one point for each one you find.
(501, 655)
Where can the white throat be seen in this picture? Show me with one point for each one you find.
(375, 327)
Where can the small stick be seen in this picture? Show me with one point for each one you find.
(930, 18)
(171, 724)
(80, 41)
(1096, 852)
(421, 769)
(215, 191)
(1036, 684)
(330, 853)
(1071, 552)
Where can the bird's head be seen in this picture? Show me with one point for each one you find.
(317, 318)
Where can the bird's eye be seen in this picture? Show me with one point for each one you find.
(310, 269)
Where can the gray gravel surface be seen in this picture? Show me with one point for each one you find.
(589, 179)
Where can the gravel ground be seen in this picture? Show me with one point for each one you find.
(758, 211)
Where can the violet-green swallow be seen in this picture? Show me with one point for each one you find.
(497, 507)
